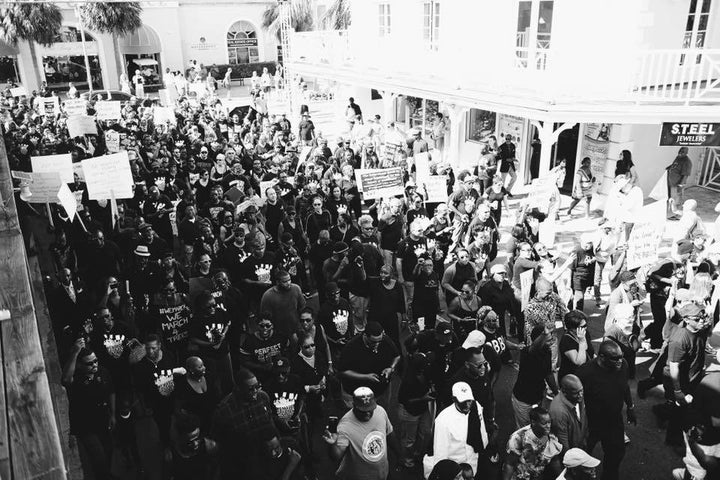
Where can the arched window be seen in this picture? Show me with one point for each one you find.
(242, 43)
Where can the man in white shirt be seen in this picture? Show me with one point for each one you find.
(460, 431)
(624, 204)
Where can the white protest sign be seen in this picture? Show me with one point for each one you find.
(75, 106)
(54, 163)
(107, 176)
(541, 191)
(265, 185)
(165, 98)
(391, 149)
(108, 110)
(198, 88)
(112, 141)
(25, 177)
(546, 233)
(45, 187)
(164, 114)
(80, 125)
(643, 245)
(660, 190)
(68, 201)
(380, 182)
(304, 154)
(422, 167)
(18, 92)
(50, 106)
(526, 283)
(77, 170)
(435, 187)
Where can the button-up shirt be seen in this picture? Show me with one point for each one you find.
(451, 431)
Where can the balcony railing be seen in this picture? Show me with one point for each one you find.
(680, 76)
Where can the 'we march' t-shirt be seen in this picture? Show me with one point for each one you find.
(366, 456)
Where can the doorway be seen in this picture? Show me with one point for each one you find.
(566, 148)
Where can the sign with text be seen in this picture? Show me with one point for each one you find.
(162, 115)
(435, 187)
(108, 110)
(18, 92)
(541, 190)
(380, 182)
(81, 125)
(107, 176)
(45, 187)
(112, 141)
(68, 201)
(596, 145)
(422, 167)
(643, 245)
(54, 163)
(526, 283)
(75, 106)
(690, 135)
(49, 106)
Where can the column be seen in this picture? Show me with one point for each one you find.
(388, 105)
(548, 137)
(456, 114)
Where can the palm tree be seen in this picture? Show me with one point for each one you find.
(116, 19)
(31, 22)
(337, 16)
(302, 18)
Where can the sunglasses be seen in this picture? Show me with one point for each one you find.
(310, 345)
(265, 326)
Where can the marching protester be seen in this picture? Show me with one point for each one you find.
(240, 297)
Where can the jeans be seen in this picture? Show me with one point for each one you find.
(513, 178)
(409, 290)
(654, 330)
(612, 441)
(597, 281)
(360, 308)
(98, 447)
(415, 434)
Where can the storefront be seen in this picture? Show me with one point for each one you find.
(242, 43)
(9, 70)
(64, 60)
(141, 51)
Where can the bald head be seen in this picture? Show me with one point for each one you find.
(609, 348)
(572, 388)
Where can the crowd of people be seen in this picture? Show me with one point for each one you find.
(252, 307)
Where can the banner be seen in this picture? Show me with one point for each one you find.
(510, 125)
(108, 110)
(49, 106)
(54, 163)
(596, 145)
(75, 106)
(81, 125)
(422, 167)
(380, 182)
(45, 187)
(643, 245)
(107, 176)
(112, 141)
(435, 187)
(526, 283)
(690, 135)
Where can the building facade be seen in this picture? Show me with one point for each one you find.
(173, 33)
(566, 78)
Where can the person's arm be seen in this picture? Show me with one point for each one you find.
(674, 368)
(113, 418)
(579, 356)
(708, 462)
(398, 269)
(292, 465)
(447, 278)
(341, 269)
(629, 405)
(512, 460)
(387, 372)
(359, 377)
(560, 429)
(69, 369)
(552, 383)
(336, 451)
(561, 269)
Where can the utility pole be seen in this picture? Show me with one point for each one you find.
(284, 15)
(78, 12)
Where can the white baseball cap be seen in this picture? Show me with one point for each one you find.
(576, 457)
(462, 392)
(474, 339)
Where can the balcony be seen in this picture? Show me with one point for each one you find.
(528, 76)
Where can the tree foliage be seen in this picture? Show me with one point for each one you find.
(113, 18)
(34, 22)
(338, 15)
(302, 17)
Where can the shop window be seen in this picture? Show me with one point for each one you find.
(696, 28)
(242, 44)
(9, 70)
(384, 19)
(431, 25)
(480, 125)
(534, 31)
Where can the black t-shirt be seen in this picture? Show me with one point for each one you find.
(263, 351)
(198, 330)
(356, 356)
(90, 403)
(406, 251)
(534, 367)
(426, 292)
(496, 342)
(171, 320)
(604, 394)
(326, 317)
(413, 387)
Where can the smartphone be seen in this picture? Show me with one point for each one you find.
(332, 424)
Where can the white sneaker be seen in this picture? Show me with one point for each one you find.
(678, 473)
(627, 439)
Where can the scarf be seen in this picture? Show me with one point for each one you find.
(474, 435)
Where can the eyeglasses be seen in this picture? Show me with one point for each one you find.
(91, 362)
(265, 326)
(466, 292)
(479, 365)
(317, 204)
(306, 320)
(310, 345)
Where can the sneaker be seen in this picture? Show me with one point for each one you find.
(678, 474)
(627, 439)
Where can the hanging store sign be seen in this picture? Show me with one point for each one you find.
(690, 135)
(242, 42)
(61, 49)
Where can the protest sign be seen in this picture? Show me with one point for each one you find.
(77, 170)
(54, 163)
(526, 283)
(45, 187)
(80, 125)
(50, 106)
(112, 141)
(391, 149)
(18, 92)
(199, 89)
(541, 190)
(435, 187)
(422, 167)
(264, 186)
(596, 146)
(108, 110)
(68, 201)
(24, 177)
(380, 182)
(660, 190)
(75, 106)
(162, 115)
(107, 176)
(546, 232)
(643, 245)
(166, 96)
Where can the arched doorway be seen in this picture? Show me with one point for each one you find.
(141, 51)
(9, 70)
(242, 43)
(64, 62)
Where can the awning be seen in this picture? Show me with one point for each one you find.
(143, 62)
(143, 41)
(7, 50)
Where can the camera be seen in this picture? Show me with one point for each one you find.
(332, 424)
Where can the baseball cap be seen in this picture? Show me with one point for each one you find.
(331, 287)
(144, 226)
(475, 338)
(576, 457)
(364, 399)
(281, 364)
(340, 247)
(498, 268)
(443, 328)
(461, 392)
(626, 276)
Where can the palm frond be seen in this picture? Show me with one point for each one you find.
(38, 22)
(338, 16)
(302, 18)
(114, 18)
